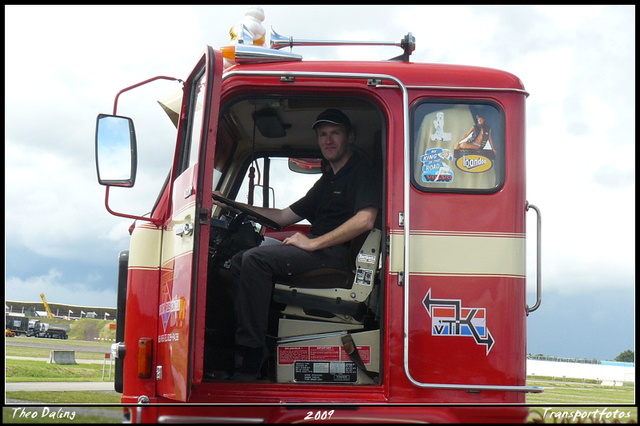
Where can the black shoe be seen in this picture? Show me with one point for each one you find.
(217, 375)
(250, 361)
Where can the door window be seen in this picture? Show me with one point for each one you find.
(285, 186)
(457, 147)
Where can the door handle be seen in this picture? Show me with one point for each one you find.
(185, 230)
(538, 260)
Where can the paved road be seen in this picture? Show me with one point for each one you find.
(55, 344)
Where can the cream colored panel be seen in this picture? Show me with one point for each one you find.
(175, 245)
(465, 254)
(144, 251)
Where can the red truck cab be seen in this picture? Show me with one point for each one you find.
(434, 311)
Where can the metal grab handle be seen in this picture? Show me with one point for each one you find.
(538, 260)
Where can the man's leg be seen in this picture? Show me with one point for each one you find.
(253, 272)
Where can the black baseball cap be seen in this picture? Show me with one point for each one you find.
(334, 116)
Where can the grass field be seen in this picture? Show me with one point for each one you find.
(567, 392)
(41, 371)
(573, 401)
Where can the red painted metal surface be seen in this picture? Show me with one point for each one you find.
(498, 301)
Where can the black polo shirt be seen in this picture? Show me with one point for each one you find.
(334, 199)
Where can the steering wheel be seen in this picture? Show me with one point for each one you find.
(248, 213)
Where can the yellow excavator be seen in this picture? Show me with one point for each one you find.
(46, 305)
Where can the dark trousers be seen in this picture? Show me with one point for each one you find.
(253, 272)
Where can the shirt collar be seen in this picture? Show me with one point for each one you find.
(348, 165)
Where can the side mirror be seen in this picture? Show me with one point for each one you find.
(305, 165)
(116, 151)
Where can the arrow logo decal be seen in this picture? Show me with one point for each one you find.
(449, 318)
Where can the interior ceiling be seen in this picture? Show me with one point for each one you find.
(297, 115)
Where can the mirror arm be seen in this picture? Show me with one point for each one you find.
(160, 77)
(155, 221)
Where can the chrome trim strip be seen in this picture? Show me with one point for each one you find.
(458, 88)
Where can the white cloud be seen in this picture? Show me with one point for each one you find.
(448, 34)
(54, 204)
(64, 64)
(569, 17)
(118, 232)
(56, 290)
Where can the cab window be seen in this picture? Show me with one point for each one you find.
(285, 185)
(457, 147)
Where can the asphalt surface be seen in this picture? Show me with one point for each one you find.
(34, 342)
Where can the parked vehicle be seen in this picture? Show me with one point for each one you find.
(17, 324)
(51, 331)
(30, 330)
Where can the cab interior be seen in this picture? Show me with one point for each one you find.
(267, 155)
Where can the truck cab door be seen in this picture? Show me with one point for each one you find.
(184, 257)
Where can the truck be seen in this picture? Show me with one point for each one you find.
(51, 331)
(430, 326)
(17, 324)
(31, 327)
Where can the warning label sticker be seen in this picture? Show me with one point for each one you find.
(325, 372)
(287, 355)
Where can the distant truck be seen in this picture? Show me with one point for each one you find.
(16, 324)
(30, 330)
(51, 331)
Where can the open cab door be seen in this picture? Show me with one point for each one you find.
(186, 234)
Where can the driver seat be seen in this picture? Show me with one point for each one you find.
(331, 294)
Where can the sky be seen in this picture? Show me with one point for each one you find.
(65, 64)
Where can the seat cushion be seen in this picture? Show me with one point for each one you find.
(318, 278)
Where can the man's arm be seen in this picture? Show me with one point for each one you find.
(283, 217)
(362, 221)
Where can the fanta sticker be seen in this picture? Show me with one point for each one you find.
(450, 318)
(473, 163)
(434, 168)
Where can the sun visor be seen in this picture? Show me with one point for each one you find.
(171, 104)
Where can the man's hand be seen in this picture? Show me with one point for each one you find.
(363, 221)
(221, 204)
(301, 241)
(283, 217)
